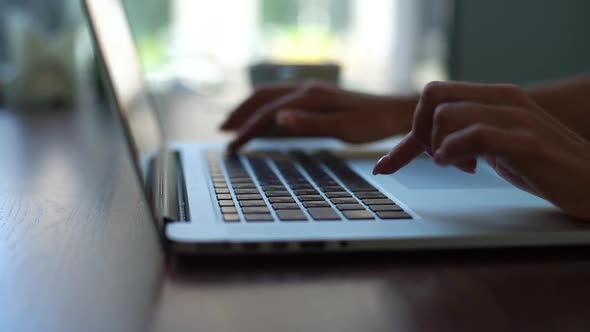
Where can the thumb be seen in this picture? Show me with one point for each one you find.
(306, 123)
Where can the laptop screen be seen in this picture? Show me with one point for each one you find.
(117, 49)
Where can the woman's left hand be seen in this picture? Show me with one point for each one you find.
(459, 122)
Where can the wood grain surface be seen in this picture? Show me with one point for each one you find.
(78, 252)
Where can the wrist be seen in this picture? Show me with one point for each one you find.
(404, 107)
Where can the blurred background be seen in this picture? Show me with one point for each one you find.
(206, 47)
(206, 44)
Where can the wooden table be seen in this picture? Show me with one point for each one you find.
(78, 253)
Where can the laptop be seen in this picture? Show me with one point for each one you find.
(307, 195)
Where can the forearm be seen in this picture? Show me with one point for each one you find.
(567, 100)
(405, 107)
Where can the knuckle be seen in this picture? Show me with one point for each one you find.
(514, 92)
(431, 90)
(530, 142)
(443, 114)
(433, 85)
(510, 89)
(525, 118)
(480, 135)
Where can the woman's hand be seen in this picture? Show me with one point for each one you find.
(459, 122)
(317, 109)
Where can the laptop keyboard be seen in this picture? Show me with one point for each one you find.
(295, 187)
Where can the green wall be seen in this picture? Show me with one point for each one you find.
(519, 41)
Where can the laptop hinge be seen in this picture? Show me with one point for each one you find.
(168, 192)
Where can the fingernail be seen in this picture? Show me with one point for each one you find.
(379, 164)
(438, 158)
(465, 169)
(470, 167)
(231, 148)
(225, 124)
(285, 119)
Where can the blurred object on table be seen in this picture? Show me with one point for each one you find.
(268, 72)
(47, 50)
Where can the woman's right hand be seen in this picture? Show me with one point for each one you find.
(318, 109)
(457, 123)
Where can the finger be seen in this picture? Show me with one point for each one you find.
(492, 161)
(451, 117)
(467, 166)
(515, 179)
(258, 99)
(406, 151)
(265, 117)
(307, 123)
(484, 140)
(401, 155)
(436, 93)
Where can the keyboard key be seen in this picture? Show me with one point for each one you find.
(223, 196)
(219, 184)
(326, 184)
(229, 209)
(306, 192)
(289, 206)
(244, 186)
(252, 203)
(273, 188)
(393, 215)
(224, 190)
(278, 194)
(258, 217)
(356, 206)
(231, 217)
(301, 187)
(358, 214)
(378, 201)
(246, 191)
(333, 188)
(255, 209)
(281, 200)
(391, 207)
(345, 200)
(249, 197)
(323, 213)
(270, 182)
(311, 204)
(299, 179)
(242, 180)
(304, 198)
(291, 215)
(369, 194)
(337, 194)
(226, 202)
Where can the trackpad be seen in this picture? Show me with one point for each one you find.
(422, 173)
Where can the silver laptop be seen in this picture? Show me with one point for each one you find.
(293, 196)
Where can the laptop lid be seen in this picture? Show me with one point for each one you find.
(116, 48)
(139, 118)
